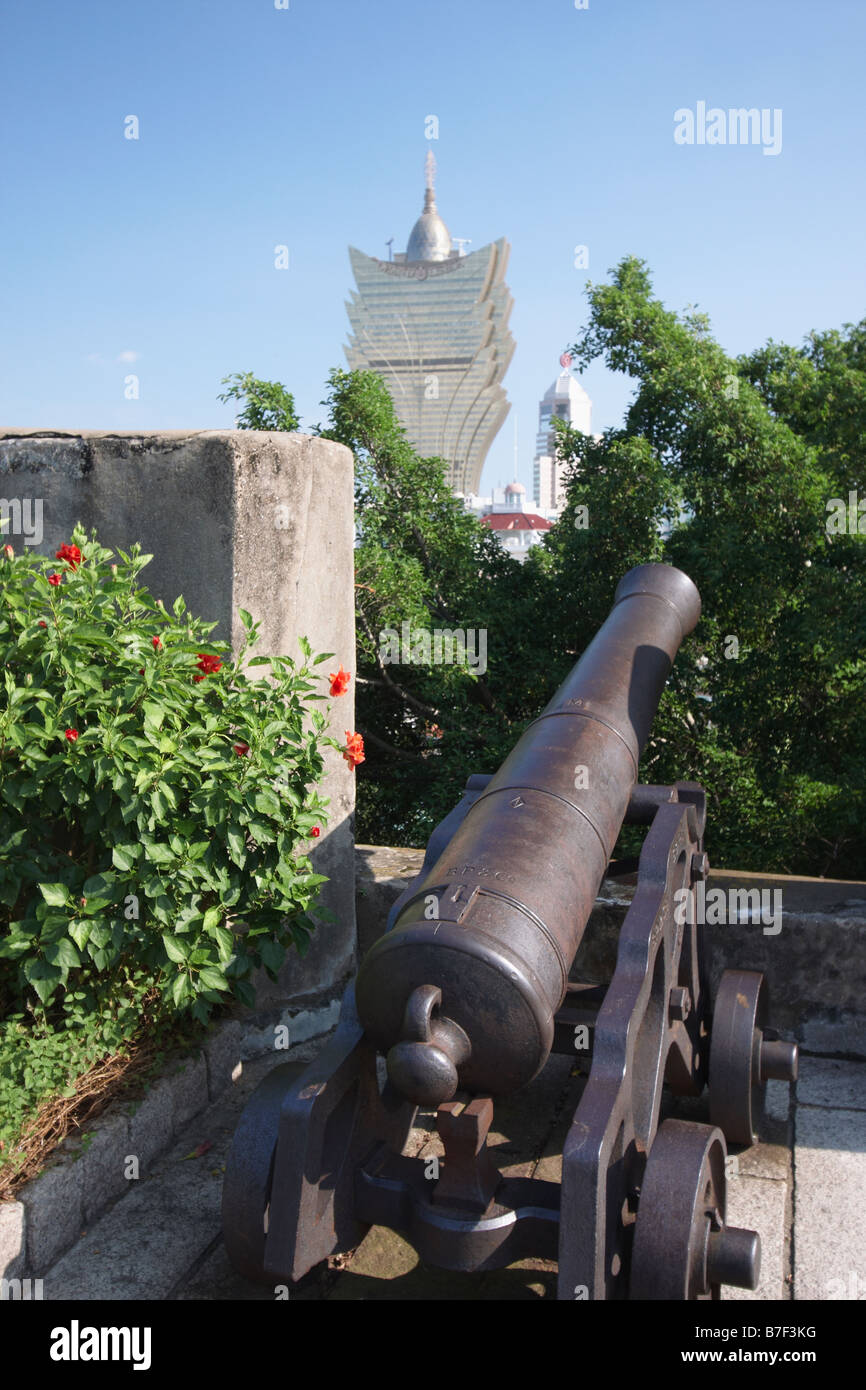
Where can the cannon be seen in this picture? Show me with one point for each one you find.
(469, 991)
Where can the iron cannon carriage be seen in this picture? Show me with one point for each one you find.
(468, 992)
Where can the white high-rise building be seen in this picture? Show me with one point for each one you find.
(567, 400)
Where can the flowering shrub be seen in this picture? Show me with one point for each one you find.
(156, 802)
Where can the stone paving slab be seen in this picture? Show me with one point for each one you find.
(760, 1204)
(831, 1083)
(829, 1214)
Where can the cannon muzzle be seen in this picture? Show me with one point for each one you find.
(461, 992)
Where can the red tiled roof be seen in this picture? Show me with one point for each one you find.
(515, 521)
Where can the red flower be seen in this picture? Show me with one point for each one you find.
(72, 735)
(9, 552)
(70, 553)
(314, 833)
(208, 664)
(55, 579)
(354, 751)
(241, 749)
(339, 682)
(157, 643)
(141, 670)
(41, 624)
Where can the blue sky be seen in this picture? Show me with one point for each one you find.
(305, 127)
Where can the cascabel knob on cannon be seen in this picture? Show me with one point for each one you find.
(461, 992)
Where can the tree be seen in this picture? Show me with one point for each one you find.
(765, 704)
(269, 406)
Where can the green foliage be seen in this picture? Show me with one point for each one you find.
(38, 1064)
(764, 706)
(269, 406)
(819, 391)
(155, 800)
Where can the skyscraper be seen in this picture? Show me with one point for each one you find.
(566, 399)
(434, 324)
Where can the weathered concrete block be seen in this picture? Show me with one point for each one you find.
(288, 1029)
(189, 1089)
(381, 874)
(829, 1222)
(151, 1126)
(104, 1162)
(222, 1053)
(53, 1204)
(234, 519)
(12, 1240)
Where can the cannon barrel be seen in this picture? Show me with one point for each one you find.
(461, 992)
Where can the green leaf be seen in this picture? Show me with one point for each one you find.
(212, 978)
(236, 846)
(159, 853)
(180, 989)
(224, 940)
(173, 948)
(100, 935)
(245, 994)
(95, 636)
(100, 885)
(43, 977)
(262, 832)
(124, 856)
(266, 802)
(54, 893)
(153, 714)
(79, 931)
(212, 918)
(272, 954)
(64, 954)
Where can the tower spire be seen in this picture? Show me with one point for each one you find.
(429, 186)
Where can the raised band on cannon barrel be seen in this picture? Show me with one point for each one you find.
(468, 992)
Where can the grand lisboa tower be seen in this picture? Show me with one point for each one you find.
(434, 324)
